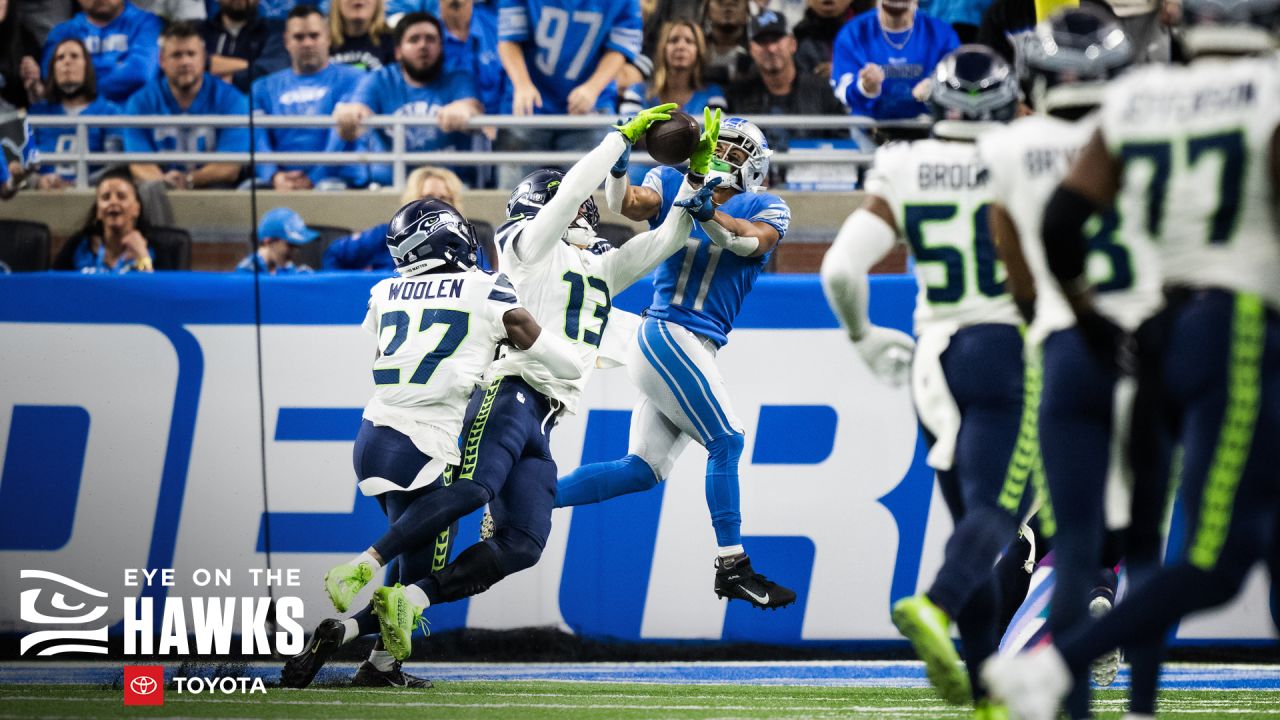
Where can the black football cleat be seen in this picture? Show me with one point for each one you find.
(301, 669)
(736, 580)
(371, 677)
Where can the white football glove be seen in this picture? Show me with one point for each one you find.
(888, 353)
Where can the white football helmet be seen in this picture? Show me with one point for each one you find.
(742, 156)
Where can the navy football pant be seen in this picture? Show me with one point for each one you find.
(506, 462)
(387, 453)
(1218, 378)
(985, 488)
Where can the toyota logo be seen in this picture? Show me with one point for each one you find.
(143, 685)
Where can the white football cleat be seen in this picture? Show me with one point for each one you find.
(1031, 684)
(1104, 669)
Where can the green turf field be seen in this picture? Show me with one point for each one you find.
(574, 700)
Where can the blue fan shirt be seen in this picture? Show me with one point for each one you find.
(704, 293)
(215, 98)
(63, 139)
(287, 93)
(563, 41)
(125, 52)
(907, 58)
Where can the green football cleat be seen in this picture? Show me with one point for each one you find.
(397, 618)
(929, 630)
(344, 582)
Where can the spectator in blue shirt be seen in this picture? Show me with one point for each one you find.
(561, 57)
(367, 249)
(882, 57)
(312, 86)
(416, 85)
(471, 46)
(186, 89)
(280, 231)
(114, 236)
(122, 40)
(239, 36)
(72, 90)
(361, 38)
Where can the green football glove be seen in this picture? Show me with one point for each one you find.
(636, 126)
(700, 161)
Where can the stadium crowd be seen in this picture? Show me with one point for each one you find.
(455, 59)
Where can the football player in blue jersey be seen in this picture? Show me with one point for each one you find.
(310, 86)
(72, 90)
(697, 294)
(417, 84)
(561, 57)
(120, 37)
(186, 89)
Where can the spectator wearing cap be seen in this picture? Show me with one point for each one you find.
(280, 231)
(776, 86)
(816, 33)
(882, 55)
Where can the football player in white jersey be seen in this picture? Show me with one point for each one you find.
(1188, 155)
(1068, 60)
(967, 373)
(567, 277)
(438, 326)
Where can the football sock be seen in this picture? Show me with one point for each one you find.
(598, 482)
(365, 557)
(730, 551)
(414, 594)
(970, 554)
(382, 660)
(428, 515)
(722, 488)
(979, 632)
(350, 630)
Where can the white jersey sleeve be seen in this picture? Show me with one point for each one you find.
(437, 333)
(646, 251)
(1194, 143)
(938, 193)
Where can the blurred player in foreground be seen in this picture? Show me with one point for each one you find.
(1086, 406)
(1191, 154)
(968, 370)
(698, 292)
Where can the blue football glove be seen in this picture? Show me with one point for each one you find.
(700, 205)
(620, 168)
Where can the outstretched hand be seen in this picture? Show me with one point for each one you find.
(635, 127)
(700, 204)
(700, 161)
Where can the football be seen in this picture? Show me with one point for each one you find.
(671, 142)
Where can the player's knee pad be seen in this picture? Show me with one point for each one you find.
(472, 572)
(726, 447)
(517, 549)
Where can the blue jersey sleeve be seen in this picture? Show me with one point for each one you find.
(138, 65)
(626, 33)
(230, 101)
(847, 58)
(772, 210)
(367, 90)
(513, 21)
(358, 251)
(459, 86)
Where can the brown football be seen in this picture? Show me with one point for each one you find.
(671, 142)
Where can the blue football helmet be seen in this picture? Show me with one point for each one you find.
(1068, 59)
(972, 86)
(429, 235)
(536, 190)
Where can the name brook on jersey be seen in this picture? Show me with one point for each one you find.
(953, 176)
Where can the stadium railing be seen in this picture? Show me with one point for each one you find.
(397, 156)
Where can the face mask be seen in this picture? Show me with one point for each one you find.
(727, 179)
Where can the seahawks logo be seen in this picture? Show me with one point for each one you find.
(70, 603)
(421, 230)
